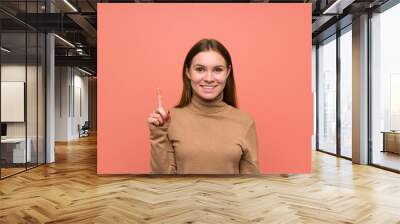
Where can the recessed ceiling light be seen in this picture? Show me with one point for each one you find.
(70, 5)
(64, 40)
(84, 71)
(338, 6)
(5, 50)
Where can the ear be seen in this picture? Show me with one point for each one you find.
(187, 73)
(229, 70)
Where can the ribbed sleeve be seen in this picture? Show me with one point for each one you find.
(249, 161)
(162, 152)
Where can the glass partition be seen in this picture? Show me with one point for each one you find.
(13, 108)
(346, 92)
(22, 88)
(385, 89)
(327, 95)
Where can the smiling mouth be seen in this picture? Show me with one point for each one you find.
(207, 87)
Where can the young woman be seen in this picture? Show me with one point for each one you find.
(205, 133)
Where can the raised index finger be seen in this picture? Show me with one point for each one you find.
(159, 100)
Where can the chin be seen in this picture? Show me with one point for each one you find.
(208, 96)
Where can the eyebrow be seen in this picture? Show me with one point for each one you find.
(205, 66)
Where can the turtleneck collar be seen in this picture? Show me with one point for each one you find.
(208, 106)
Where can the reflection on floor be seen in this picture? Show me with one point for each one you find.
(10, 170)
(70, 191)
(346, 152)
(387, 159)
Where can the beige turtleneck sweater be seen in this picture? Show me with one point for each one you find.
(205, 137)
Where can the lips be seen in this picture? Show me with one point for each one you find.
(207, 87)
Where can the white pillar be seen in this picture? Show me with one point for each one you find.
(50, 91)
(360, 89)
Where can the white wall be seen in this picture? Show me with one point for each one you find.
(80, 84)
(61, 103)
(34, 125)
(71, 87)
(12, 73)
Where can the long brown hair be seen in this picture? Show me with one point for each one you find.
(229, 91)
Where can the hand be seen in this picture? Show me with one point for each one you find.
(159, 116)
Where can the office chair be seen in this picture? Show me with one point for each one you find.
(84, 130)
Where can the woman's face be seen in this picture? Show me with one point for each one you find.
(208, 73)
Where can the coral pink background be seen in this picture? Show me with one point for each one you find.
(142, 46)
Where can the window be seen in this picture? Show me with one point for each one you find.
(385, 88)
(327, 95)
(346, 74)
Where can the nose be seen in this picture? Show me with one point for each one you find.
(209, 77)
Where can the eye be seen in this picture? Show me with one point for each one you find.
(199, 69)
(218, 69)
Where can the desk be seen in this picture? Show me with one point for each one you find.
(391, 141)
(13, 150)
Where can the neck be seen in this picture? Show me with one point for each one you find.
(208, 106)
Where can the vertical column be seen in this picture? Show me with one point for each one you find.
(314, 92)
(62, 103)
(50, 92)
(360, 90)
(92, 99)
(338, 92)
